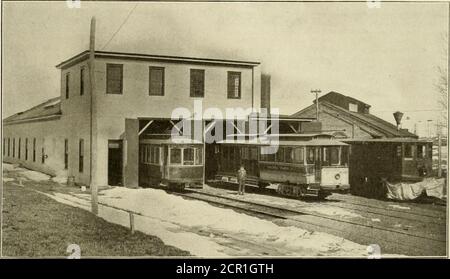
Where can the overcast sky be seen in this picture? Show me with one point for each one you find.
(386, 56)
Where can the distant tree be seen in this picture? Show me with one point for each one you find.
(442, 87)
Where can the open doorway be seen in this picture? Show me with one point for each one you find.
(115, 158)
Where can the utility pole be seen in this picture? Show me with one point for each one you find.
(317, 92)
(93, 184)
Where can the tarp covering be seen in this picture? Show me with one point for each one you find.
(432, 187)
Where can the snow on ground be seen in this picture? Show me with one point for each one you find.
(60, 179)
(34, 175)
(189, 225)
(7, 179)
(8, 167)
(398, 206)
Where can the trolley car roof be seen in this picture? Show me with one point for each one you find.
(170, 141)
(314, 142)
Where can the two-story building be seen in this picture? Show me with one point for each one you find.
(94, 136)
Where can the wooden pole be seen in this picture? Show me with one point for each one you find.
(93, 184)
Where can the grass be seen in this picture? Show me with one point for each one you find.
(37, 226)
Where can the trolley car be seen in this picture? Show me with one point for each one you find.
(174, 164)
(314, 167)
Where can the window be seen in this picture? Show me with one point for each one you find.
(421, 151)
(288, 155)
(310, 155)
(81, 155)
(156, 80)
(353, 107)
(334, 155)
(344, 155)
(18, 151)
(199, 156)
(43, 153)
(150, 154)
(82, 70)
(298, 155)
(408, 151)
(234, 85)
(26, 149)
(114, 78)
(14, 147)
(9, 142)
(280, 155)
(197, 83)
(66, 154)
(67, 85)
(188, 156)
(175, 156)
(4, 146)
(34, 149)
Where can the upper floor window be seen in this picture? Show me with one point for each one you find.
(81, 155)
(82, 73)
(353, 107)
(197, 83)
(156, 80)
(67, 85)
(234, 85)
(114, 78)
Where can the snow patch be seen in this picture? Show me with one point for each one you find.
(399, 206)
(7, 179)
(60, 179)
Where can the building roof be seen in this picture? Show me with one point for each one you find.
(364, 119)
(335, 95)
(387, 140)
(47, 110)
(151, 57)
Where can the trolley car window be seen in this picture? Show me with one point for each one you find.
(421, 151)
(409, 151)
(175, 156)
(298, 155)
(188, 156)
(288, 155)
(334, 155)
(310, 155)
(280, 155)
(344, 156)
(198, 156)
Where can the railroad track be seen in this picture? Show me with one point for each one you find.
(414, 243)
(373, 209)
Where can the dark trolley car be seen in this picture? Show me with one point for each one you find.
(374, 161)
(175, 164)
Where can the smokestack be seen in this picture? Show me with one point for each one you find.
(265, 92)
(398, 118)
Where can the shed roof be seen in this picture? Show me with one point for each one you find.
(49, 109)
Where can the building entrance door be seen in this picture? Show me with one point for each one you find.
(115, 163)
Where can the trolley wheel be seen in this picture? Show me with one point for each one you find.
(323, 194)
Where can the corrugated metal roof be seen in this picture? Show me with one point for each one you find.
(47, 109)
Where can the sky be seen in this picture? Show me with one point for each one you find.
(386, 57)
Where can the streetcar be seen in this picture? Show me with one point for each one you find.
(304, 166)
(174, 164)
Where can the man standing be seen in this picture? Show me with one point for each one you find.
(242, 176)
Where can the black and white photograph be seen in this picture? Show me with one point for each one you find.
(224, 130)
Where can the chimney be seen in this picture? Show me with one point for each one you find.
(398, 118)
(265, 92)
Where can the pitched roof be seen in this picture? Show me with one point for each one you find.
(46, 110)
(366, 119)
(334, 94)
(152, 57)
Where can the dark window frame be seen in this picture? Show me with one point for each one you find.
(26, 149)
(81, 155)
(34, 149)
(82, 80)
(9, 147)
(14, 148)
(18, 148)
(67, 82)
(113, 65)
(66, 154)
(230, 87)
(193, 83)
(4, 146)
(163, 81)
